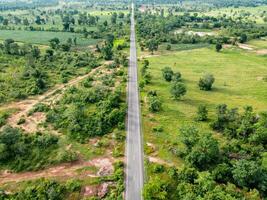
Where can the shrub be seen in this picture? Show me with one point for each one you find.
(206, 82)
(167, 73)
(202, 113)
(178, 90)
(177, 77)
(154, 104)
(218, 47)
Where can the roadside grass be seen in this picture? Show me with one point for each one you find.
(238, 83)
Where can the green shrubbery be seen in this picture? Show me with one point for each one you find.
(72, 115)
(232, 170)
(20, 152)
(45, 189)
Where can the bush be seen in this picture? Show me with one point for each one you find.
(167, 73)
(168, 47)
(218, 47)
(178, 90)
(154, 104)
(202, 113)
(177, 77)
(206, 82)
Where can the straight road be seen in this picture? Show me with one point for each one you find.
(134, 149)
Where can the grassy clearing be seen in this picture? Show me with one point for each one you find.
(43, 37)
(239, 82)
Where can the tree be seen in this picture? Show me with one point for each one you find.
(243, 38)
(152, 45)
(204, 153)
(107, 51)
(189, 135)
(38, 20)
(218, 47)
(167, 73)
(177, 77)
(202, 113)
(178, 90)
(114, 18)
(65, 47)
(36, 52)
(54, 43)
(154, 103)
(206, 82)
(5, 22)
(247, 173)
(66, 22)
(155, 189)
(26, 22)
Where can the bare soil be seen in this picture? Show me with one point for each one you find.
(63, 171)
(159, 161)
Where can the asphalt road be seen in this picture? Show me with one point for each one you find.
(134, 149)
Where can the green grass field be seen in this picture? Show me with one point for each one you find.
(43, 37)
(240, 80)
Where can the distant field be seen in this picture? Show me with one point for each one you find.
(235, 12)
(240, 80)
(43, 37)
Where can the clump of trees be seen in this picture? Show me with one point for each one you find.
(169, 75)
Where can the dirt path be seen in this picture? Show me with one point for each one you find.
(104, 167)
(245, 46)
(49, 97)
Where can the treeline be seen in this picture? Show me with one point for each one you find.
(13, 5)
(209, 3)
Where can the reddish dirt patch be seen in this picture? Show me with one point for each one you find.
(159, 161)
(63, 171)
(143, 8)
(96, 190)
(262, 52)
(245, 46)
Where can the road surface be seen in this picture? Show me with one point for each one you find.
(134, 149)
